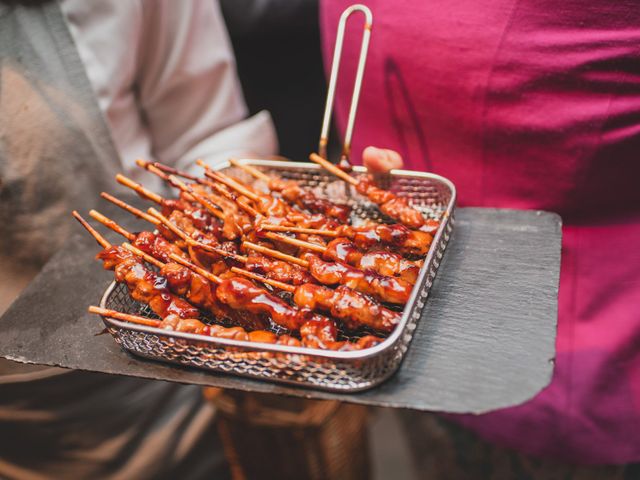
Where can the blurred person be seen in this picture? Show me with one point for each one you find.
(528, 105)
(85, 89)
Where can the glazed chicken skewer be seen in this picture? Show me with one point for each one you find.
(278, 270)
(377, 260)
(144, 285)
(234, 221)
(353, 308)
(154, 288)
(196, 289)
(366, 237)
(383, 288)
(390, 204)
(368, 313)
(193, 325)
(294, 193)
(363, 342)
(270, 207)
(199, 216)
(236, 292)
(411, 242)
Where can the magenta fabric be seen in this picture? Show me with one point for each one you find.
(532, 105)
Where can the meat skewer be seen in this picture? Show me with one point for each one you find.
(281, 271)
(234, 223)
(193, 325)
(294, 193)
(390, 204)
(384, 288)
(239, 293)
(199, 216)
(270, 207)
(198, 290)
(278, 270)
(410, 242)
(378, 260)
(143, 284)
(153, 244)
(158, 245)
(352, 308)
(164, 171)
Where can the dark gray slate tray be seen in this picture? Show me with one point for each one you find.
(486, 339)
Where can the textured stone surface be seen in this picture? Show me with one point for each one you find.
(486, 339)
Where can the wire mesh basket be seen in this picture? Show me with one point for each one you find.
(321, 369)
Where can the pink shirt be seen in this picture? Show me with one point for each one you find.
(532, 105)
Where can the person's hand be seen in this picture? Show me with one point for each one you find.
(381, 160)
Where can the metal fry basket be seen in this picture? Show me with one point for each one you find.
(321, 369)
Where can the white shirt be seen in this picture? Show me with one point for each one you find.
(165, 78)
(164, 75)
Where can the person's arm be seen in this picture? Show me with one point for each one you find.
(188, 88)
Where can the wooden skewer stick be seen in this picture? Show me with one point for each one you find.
(274, 283)
(191, 241)
(276, 254)
(231, 197)
(330, 167)
(163, 171)
(250, 169)
(107, 222)
(232, 184)
(151, 168)
(105, 312)
(159, 173)
(140, 253)
(294, 241)
(139, 189)
(310, 231)
(200, 271)
(248, 208)
(129, 208)
(170, 225)
(103, 242)
(168, 170)
(190, 194)
(228, 181)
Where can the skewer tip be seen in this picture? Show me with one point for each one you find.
(103, 242)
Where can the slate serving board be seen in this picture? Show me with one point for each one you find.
(486, 339)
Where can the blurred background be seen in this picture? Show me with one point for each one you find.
(277, 48)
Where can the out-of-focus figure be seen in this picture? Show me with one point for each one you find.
(85, 89)
(530, 105)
